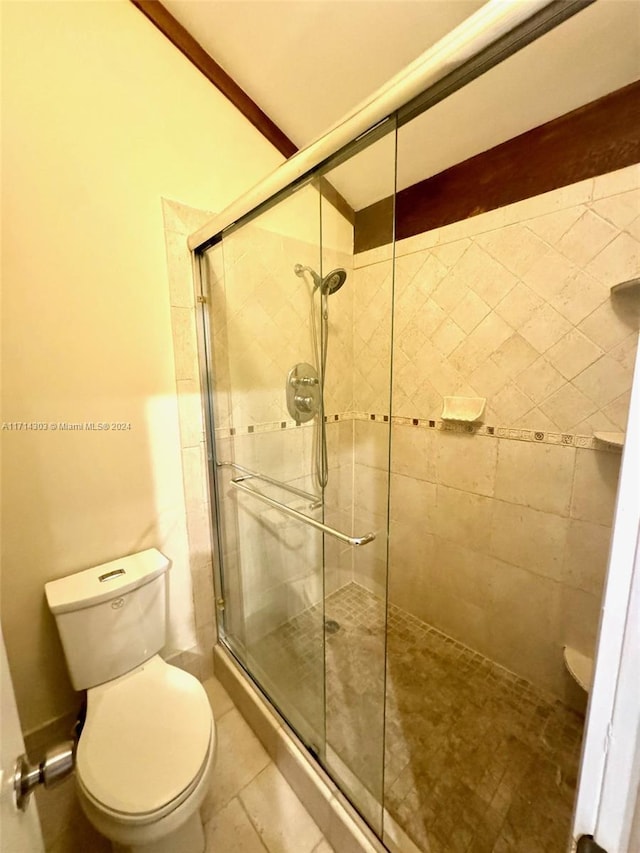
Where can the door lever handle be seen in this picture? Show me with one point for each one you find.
(57, 764)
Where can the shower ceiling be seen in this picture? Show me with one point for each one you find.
(307, 62)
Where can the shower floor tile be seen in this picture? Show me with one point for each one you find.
(475, 758)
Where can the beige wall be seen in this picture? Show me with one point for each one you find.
(101, 118)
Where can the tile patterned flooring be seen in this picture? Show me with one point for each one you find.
(476, 760)
(250, 807)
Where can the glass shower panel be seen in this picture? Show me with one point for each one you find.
(358, 416)
(271, 562)
(508, 399)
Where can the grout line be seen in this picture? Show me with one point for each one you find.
(248, 814)
(244, 809)
(228, 711)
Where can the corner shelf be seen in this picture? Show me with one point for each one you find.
(615, 439)
(580, 667)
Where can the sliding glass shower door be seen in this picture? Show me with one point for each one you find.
(271, 561)
(299, 367)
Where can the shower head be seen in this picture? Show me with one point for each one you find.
(333, 281)
(329, 284)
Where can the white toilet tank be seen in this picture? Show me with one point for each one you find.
(111, 618)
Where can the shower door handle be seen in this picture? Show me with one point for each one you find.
(356, 541)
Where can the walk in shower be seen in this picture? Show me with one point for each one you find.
(415, 445)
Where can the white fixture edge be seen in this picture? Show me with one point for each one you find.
(610, 764)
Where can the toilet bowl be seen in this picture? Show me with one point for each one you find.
(144, 759)
(147, 747)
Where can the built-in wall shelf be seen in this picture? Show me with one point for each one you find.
(615, 439)
(627, 286)
(463, 409)
(580, 667)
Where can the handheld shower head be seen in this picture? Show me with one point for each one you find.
(334, 280)
(329, 284)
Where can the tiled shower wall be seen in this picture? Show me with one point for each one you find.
(500, 535)
(500, 543)
(260, 320)
(515, 305)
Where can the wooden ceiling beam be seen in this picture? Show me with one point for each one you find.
(594, 139)
(195, 53)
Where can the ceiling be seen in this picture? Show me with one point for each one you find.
(308, 62)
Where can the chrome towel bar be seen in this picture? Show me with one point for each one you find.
(316, 500)
(239, 483)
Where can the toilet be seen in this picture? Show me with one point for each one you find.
(147, 747)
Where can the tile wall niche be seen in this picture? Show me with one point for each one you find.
(500, 533)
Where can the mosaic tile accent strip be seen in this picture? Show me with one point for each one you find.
(587, 442)
(476, 759)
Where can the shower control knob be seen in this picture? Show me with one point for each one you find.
(304, 404)
(303, 390)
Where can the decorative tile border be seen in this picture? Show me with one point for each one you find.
(586, 442)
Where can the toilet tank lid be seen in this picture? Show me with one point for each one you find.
(101, 583)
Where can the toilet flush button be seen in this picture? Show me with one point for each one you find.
(109, 576)
(117, 604)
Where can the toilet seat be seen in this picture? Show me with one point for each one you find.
(146, 742)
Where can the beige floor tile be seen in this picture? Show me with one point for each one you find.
(219, 699)
(240, 757)
(280, 818)
(230, 829)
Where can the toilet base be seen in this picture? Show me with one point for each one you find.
(188, 838)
